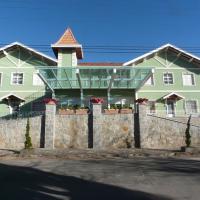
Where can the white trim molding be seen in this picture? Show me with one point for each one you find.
(11, 94)
(173, 93)
(28, 48)
(1, 79)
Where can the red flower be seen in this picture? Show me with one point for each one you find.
(96, 100)
(47, 100)
(141, 100)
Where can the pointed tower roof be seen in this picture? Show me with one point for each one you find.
(67, 38)
(68, 41)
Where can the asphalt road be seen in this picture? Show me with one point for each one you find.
(119, 179)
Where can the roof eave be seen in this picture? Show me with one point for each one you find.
(159, 49)
(11, 94)
(29, 48)
(173, 93)
(66, 46)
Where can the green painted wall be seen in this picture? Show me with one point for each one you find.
(159, 89)
(20, 60)
(66, 57)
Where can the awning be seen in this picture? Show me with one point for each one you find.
(173, 95)
(11, 96)
(94, 77)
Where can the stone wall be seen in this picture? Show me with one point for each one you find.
(71, 131)
(167, 133)
(115, 131)
(12, 132)
(99, 130)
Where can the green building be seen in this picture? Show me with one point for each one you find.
(167, 76)
(174, 87)
(20, 86)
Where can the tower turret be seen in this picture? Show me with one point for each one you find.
(67, 49)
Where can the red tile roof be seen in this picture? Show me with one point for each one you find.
(67, 38)
(99, 64)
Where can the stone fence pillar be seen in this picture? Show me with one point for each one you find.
(50, 115)
(97, 126)
(142, 111)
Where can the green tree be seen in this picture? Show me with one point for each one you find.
(28, 143)
(187, 133)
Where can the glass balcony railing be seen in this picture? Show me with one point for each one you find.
(94, 77)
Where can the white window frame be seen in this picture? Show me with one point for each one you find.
(1, 81)
(172, 78)
(42, 83)
(187, 73)
(11, 81)
(197, 105)
(153, 80)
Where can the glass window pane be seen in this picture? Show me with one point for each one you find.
(150, 81)
(191, 106)
(168, 78)
(188, 79)
(17, 78)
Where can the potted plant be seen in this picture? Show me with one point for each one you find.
(81, 110)
(114, 109)
(66, 110)
(126, 109)
(142, 101)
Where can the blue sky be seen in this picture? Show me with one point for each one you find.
(136, 25)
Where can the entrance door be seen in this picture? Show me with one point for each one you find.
(170, 108)
(14, 106)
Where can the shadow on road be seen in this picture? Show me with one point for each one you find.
(164, 166)
(22, 183)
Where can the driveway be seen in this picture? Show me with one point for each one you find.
(120, 179)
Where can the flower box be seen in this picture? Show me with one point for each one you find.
(66, 112)
(81, 111)
(111, 111)
(126, 111)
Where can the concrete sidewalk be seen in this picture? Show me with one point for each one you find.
(85, 154)
(105, 154)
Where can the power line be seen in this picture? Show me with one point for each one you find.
(111, 49)
(108, 46)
